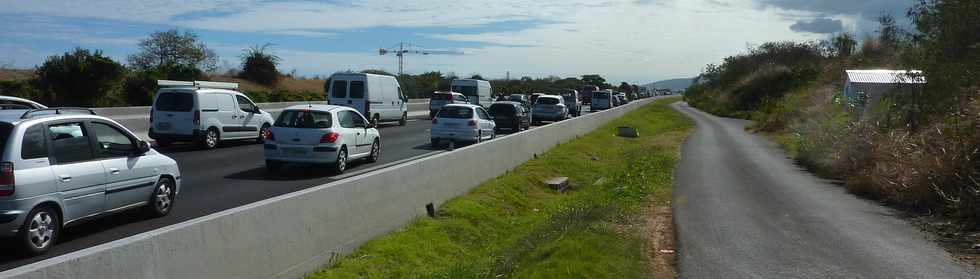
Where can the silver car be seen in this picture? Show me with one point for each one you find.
(462, 123)
(59, 167)
(442, 98)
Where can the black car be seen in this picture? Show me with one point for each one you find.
(521, 98)
(510, 116)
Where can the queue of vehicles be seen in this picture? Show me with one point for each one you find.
(63, 166)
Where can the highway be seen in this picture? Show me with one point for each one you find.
(743, 210)
(229, 176)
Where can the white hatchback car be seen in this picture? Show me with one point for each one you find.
(462, 122)
(321, 134)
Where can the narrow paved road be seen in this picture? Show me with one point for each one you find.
(743, 210)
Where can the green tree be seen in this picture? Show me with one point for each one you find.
(80, 78)
(259, 65)
(593, 79)
(842, 45)
(172, 49)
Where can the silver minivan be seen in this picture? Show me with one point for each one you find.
(59, 168)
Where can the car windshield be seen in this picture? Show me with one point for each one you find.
(174, 101)
(548, 101)
(600, 95)
(440, 97)
(502, 109)
(310, 119)
(456, 112)
(465, 89)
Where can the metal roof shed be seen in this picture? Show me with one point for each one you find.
(868, 86)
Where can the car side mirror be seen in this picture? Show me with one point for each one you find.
(143, 147)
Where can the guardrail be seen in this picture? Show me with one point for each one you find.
(414, 104)
(290, 235)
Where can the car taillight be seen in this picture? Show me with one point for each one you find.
(6, 179)
(472, 123)
(269, 136)
(197, 118)
(330, 137)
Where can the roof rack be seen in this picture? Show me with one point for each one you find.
(197, 83)
(30, 113)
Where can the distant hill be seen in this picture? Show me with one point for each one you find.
(676, 84)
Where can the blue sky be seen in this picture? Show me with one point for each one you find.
(634, 41)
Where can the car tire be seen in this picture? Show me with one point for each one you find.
(46, 225)
(375, 151)
(404, 120)
(434, 143)
(375, 120)
(210, 138)
(163, 198)
(341, 164)
(273, 166)
(479, 136)
(262, 132)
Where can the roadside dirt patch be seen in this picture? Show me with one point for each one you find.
(963, 245)
(658, 232)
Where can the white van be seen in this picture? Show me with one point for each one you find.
(478, 91)
(377, 97)
(205, 112)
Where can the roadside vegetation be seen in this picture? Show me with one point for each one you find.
(916, 150)
(515, 226)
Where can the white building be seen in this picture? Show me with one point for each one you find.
(864, 87)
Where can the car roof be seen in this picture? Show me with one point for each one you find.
(320, 107)
(549, 96)
(506, 103)
(198, 90)
(462, 105)
(13, 117)
(12, 98)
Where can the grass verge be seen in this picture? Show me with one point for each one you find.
(514, 226)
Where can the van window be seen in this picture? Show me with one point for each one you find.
(245, 105)
(455, 112)
(466, 90)
(34, 146)
(356, 89)
(339, 89)
(70, 143)
(310, 119)
(174, 101)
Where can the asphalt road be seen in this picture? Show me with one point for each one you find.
(229, 176)
(743, 210)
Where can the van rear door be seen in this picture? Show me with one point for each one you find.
(173, 112)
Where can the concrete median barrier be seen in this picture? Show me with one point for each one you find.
(290, 235)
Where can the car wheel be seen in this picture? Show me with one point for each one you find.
(163, 197)
(404, 120)
(262, 133)
(493, 134)
(375, 151)
(375, 120)
(40, 231)
(272, 166)
(434, 143)
(210, 138)
(479, 136)
(341, 164)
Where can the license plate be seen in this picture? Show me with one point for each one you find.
(293, 151)
(163, 126)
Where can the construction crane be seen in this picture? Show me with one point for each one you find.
(404, 48)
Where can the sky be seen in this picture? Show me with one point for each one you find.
(636, 41)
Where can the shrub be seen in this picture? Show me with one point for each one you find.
(259, 65)
(80, 78)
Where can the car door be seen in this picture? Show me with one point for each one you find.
(360, 124)
(253, 116)
(486, 124)
(129, 176)
(245, 118)
(80, 176)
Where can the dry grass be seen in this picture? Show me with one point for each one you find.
(15, 74)
(285, 84)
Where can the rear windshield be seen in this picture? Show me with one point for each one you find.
(5, 129)
(174, 101)
(600, 95)
(548, 101)
(440, 96)
(517, 97)
(456, 112)
(466, 90)
(339, 89)
(502, 109)
(304, 119)
(357, 89)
